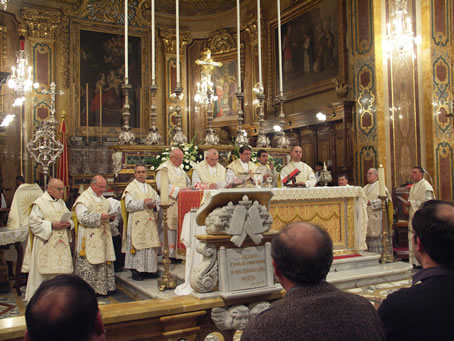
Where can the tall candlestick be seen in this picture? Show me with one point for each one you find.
(177, 46)
(126, 42)
(259, 37)
(381, 181)
(238, 43)
(153, 57)
(164, 177)
(281, 91)
(100, 110)
(86, 108)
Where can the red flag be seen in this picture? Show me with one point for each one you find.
(63, 164)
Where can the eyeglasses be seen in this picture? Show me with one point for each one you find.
(60, 189)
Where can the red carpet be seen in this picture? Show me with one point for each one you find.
(347, 256)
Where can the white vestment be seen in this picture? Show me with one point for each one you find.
(306, 174)
(203, 175)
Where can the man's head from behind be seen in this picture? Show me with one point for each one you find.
(64, 308)
(433, 224)
(302, 254)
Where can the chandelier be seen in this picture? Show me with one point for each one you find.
(4, 3)
(21, 76)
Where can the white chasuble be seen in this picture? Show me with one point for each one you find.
(306, 174)
(210, 175)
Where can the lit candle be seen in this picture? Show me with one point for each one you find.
(381, 181)
(100, 110)
(126, 42)
(153, 61)
(279, 44)
(86, 107)
(259, 37)
(177, 45)
(238, 43)
(164, 179)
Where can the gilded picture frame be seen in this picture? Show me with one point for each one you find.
(98, 61)
(313, 48)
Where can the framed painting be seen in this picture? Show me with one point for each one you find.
(313, 48)
(99, 75)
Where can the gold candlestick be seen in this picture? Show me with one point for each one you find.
(386, 255)
(167, 281)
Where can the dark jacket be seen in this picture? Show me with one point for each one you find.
(424, 311)
(320, 312)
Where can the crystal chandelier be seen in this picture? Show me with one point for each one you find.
(21, 76)
(4, 3)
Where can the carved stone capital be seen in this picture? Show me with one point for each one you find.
(222, 42)
(41, 24)
(168, 36)
(251, 28)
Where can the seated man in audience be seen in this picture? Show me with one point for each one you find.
(266, 167)
(342, 180)
(312, 309)
(64, 308)
(306, 177)
(209, 174)
(49, 246)
(424, 311)
(242, 170)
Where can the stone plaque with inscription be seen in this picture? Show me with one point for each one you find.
(246, 268)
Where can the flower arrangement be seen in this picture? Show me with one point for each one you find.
(191, 155)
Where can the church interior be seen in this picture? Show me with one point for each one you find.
(357, 84)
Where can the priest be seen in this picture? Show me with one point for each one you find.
(266, 167)
(209, 174)
(242, 170)
(141, 242)
(178, 180)
(420, 192)
(50, 225)
(306, 177)
(94, 247)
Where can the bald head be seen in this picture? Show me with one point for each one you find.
(212, 157)
(56, 188)
(303, 253)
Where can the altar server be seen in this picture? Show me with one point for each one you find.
(241, 170)
(209, 174)
(49, 245)
(306, 177)
(178, 180)
(94, 247)
(420, 192)
(141, 242)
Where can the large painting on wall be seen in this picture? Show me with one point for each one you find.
(312, 45)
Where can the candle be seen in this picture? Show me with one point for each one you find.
(100, 110)
(177, 45)
(279, 44)
(126, 42)
(153, 57)
(86, 107)
(381, 181)
(259, 37)
(164, 177)
(238, 43)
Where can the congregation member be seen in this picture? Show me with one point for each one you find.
(141, 242)
(342, 180)
(374, 212)
(94, 247)
(64, 308)
(266, 167)
(49, 249)
(424, 311)
(420, 191)
(241, 171)
(178, 181)
(306, 177)
(209, 174)
(312, 308)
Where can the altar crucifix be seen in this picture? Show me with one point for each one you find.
(204, 94)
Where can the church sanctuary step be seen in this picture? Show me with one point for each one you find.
(359, 260)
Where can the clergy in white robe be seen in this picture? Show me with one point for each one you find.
(306, 177)
(141, 242)
(374, 212)
(209, 174)
(50, 226)
(178, 180)
(420, 192)
(94, 247)
(241, 172)
(266, 168)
